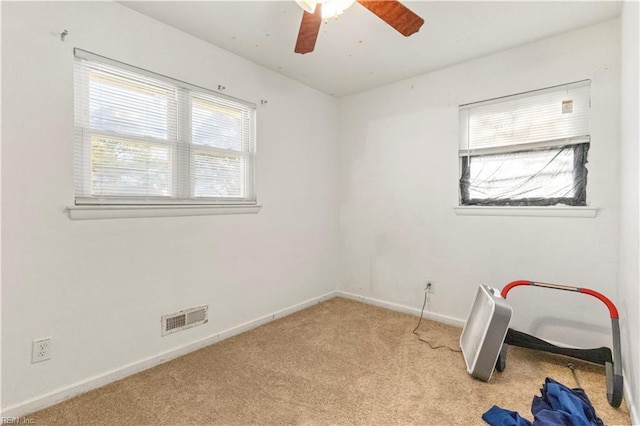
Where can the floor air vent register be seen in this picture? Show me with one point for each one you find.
(183, 320)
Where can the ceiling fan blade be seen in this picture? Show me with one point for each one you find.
(395, 14)
(309, 28)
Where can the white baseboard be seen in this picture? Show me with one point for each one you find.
(67, 392)
(57, 396)
(401, 308)
(633, 408)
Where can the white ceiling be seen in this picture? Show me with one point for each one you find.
(359, 51)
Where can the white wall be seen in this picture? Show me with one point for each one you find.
(98, 288)
(629, 279)
(399, 174)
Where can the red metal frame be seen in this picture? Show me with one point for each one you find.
(615, 381)
(613, 311)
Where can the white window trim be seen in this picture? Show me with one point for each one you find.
(87, 208)
(124, 212)
(529, 211)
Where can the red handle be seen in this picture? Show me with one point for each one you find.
(612, 308)
(511, 285)
(613, 311)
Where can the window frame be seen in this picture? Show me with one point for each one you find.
(578, 141)
(179, 139)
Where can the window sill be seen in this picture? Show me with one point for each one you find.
(542, 211)
(120, 212)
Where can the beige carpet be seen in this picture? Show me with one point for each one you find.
(339, 362)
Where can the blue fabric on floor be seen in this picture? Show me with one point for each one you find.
(558, 406)
(497, 416)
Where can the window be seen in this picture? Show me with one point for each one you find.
(146, 139)
(526, 150)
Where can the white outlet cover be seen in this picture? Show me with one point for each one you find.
(41, 350)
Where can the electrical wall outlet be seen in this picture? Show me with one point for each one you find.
(428, 286)
(41, 350)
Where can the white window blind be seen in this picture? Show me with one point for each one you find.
(554, 116)
(143, 138)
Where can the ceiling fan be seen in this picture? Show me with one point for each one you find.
(392, 12)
